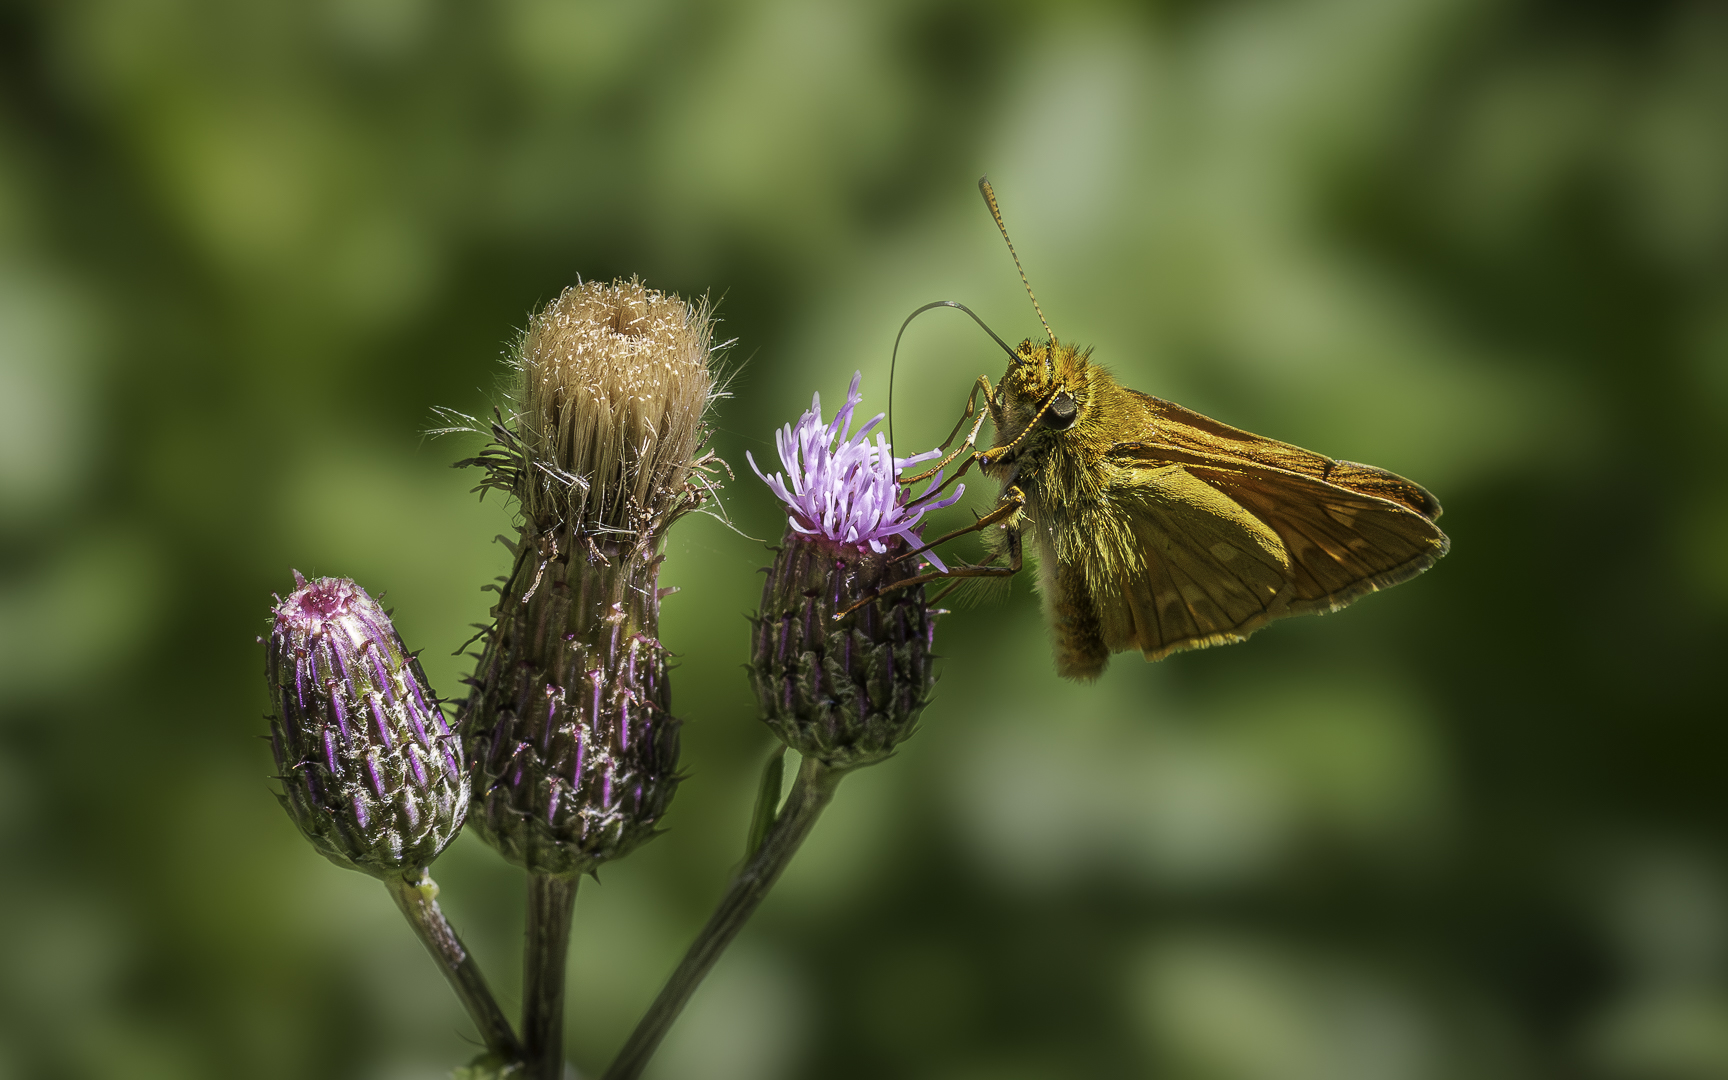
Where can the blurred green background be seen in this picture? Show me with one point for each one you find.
(1472, 828)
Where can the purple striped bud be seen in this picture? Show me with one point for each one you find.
(569, 729)
(846, 691)
(370, 770)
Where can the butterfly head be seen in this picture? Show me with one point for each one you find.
(1044, 389)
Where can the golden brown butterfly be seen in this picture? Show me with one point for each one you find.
(1159, 529)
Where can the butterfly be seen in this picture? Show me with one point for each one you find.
(1157, 528)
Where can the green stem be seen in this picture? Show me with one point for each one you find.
(551, 902)
(417, 897)
(810, 795)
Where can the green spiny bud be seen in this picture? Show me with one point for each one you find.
(369, 769)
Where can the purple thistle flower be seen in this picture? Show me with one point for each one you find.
(846, 488)
(840, 655)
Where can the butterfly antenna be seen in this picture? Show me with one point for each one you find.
(895, 356)
(996, 212)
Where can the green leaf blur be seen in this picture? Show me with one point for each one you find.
(1475, 827)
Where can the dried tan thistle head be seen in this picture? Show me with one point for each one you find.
(614, 381)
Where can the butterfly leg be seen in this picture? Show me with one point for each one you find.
(952, 573)
(983, 384)
(1012, 535)
(1012, 501)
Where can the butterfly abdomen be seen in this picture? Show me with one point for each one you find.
(1069, 606)
(1080, 649)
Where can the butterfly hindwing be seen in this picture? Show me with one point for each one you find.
(1209, 570)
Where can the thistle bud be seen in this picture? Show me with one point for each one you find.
(569, 725)
(369, 769)
(845, 692)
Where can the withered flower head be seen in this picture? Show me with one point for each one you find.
(614, 384)
(569, 728)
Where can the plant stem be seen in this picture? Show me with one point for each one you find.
(417, 897)
(551, 901)
(810, 795)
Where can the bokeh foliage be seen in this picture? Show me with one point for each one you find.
(1473, 828)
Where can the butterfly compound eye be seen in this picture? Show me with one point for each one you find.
(1062, 413)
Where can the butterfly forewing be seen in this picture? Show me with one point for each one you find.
(1342, 544)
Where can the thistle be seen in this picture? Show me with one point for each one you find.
(370, 771)
(845, 691)
(569, 728)
(842, 692)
